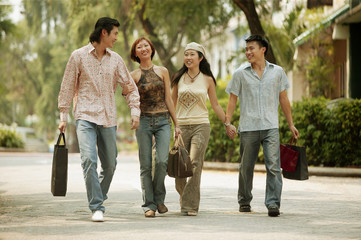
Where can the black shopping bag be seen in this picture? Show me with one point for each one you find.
(59, 174)
(301, 172)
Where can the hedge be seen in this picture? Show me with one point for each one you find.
(220, 146)
(331, 131)
(9, 138)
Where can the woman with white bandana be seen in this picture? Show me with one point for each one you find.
(190, 87)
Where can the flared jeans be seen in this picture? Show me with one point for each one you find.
(195, 139)
(153, 189)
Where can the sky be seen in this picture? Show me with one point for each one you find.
(15, 15)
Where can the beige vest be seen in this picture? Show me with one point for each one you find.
(192, 101)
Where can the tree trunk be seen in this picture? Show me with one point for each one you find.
(123, 13)
(130, 64)
(164, 55)
(249, 9)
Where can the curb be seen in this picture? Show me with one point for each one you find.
(312, 171)
(5, 149)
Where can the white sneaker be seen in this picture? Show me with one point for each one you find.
(98, 216)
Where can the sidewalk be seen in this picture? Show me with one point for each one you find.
(312, 171)
(321, 208)
(260, 168)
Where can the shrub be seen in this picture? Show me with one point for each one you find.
(308, 117)
(331, 131)
(341, 145)
(220, 146)
(9, 138)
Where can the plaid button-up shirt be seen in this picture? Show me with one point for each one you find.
(91, 85)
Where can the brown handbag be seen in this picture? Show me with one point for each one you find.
(179, 162)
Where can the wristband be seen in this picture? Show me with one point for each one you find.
(227, 124)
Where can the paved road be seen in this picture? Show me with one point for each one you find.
(319, 208)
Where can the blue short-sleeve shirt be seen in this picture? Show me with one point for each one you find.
(259, 98)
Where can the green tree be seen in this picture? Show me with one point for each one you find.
(19, 86)
(170, 23)
(320, 68)
(7, 32)
(282, 37)
(7, 27)
(50, 47)
(249, 9)
(84, 13)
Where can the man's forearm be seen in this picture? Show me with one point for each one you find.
(231, 106)
(286, 109)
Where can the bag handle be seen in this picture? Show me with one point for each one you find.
(176, 142)
(61, 136)
(181, 140)
(292, 140)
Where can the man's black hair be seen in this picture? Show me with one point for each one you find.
(102, 23)
(262, 41)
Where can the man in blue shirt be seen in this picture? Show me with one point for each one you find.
(261, 87)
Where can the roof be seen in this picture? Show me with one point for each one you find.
(305, 36)
(351, 16)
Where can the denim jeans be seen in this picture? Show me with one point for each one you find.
(97, 140)
(195, 139)
(249, 148)
(159, 126)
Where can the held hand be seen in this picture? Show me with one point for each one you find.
(62, 127)
(231, 131)
(134, 122)
(177, 131)
(127, 89)
(295, 132)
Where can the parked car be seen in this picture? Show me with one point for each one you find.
(31, 141)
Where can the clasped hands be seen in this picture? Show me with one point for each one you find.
(231, 131)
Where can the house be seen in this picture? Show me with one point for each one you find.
(340, 31)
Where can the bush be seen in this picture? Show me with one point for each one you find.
(331, 131)
(220, 146)
(9, 138)
(308, 116)
(341, 144)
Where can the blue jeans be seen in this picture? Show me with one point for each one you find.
(249, 148)
(159, 126)
(92, 137)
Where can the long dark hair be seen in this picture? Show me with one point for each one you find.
(204, 67)
(102, 23)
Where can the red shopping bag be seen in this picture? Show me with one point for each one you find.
(289, 156)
